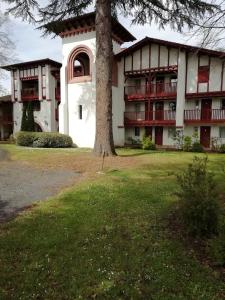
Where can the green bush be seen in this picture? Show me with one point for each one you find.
(43, 140)
(222, 148)
(187, 144)
(147, 143)
(199, 196)
(24, 138)
(197, 147)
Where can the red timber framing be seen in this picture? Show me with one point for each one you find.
(43, 81)
(15, 91)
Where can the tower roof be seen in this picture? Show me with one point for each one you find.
(86, 23)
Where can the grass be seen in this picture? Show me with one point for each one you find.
(106, 238)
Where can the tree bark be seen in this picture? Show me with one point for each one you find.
(104, 145)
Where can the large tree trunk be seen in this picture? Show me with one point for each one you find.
(104, 145)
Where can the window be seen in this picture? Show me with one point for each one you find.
(137, 131)
(222, 132)
(137, 107)
(223, 104)
(80, 112)
(171, 132)
(172, 106)
(203, 74)
(80, 63)
(197, 104)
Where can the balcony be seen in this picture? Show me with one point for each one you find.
(204, 116)
(6, 119)
(29, 94)
(142, 118)
(151, 91)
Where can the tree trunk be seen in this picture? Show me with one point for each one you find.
(104, 145)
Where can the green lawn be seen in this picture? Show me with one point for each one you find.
(106, 238)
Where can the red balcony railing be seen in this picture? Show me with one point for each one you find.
(156, 90)
(29, 94)
(150, 117)
(204, 115)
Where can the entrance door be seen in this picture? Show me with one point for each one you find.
(159, 136)
(205, 136)
(149, 111)
(148, 131)
(159, 110)
(206, 109)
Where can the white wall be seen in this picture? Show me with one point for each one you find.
(84, 93)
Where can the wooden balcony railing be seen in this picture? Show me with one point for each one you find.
(150, 117)
(29, 94)
(157, 90)
(204, 115)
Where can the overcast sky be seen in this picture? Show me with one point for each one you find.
(30, 45)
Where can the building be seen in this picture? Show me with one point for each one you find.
(159, 87)
(6, 117)
(169, 87)
(37, 81)
(78, 87)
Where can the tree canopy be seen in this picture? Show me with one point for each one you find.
(176, 13)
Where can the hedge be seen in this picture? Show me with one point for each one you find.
(43, 139)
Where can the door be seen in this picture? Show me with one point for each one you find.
(159, 136)
(159, 110)
(205, 136)
(148, 131)
(149, 111)
(206, 109)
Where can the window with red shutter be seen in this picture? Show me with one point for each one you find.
(203, 74)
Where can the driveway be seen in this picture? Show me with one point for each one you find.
(21, 185)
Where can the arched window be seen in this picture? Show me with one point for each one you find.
(80, 65)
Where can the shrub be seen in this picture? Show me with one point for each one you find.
(199, 198)
(24, 138)
(43, 139)
(222, 148)
(197, 147)
(30, 117)
(187, 143)
(147, 143)
(24, 119)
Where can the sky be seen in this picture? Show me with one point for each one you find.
(30, 45)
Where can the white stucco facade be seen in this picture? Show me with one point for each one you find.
(76, 94)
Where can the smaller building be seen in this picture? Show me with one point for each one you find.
(6, 117)
(39, 82)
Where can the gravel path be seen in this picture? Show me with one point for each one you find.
(21, 185)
